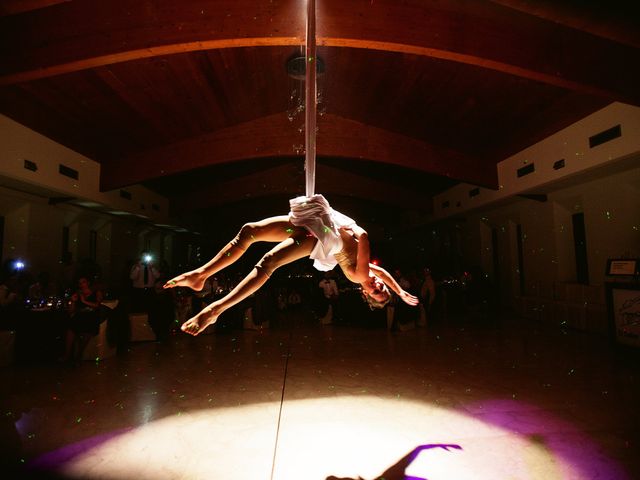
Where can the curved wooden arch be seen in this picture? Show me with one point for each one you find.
(273, 136)
(74, 36)
(141, 53)
(287, 180)
(161, 50)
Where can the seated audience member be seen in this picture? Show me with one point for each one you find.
(11, 302)
(9, 294)
(83, 310)
(43, 288)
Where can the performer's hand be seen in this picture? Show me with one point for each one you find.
(408, 298)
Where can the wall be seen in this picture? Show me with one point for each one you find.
(18, 143)
(611, 207)
(33, 224)
(600, 181)
(33, 233)
(570, 144)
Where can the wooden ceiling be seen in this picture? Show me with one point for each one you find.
(192, 97)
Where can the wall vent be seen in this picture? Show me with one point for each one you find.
(29, 165)
(125, 194)
(605, 136)
(558, 164)
(526, 170)
(474, 192)
(68, 172)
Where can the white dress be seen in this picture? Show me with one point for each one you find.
(316, 215)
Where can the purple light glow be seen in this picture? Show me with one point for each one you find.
(574, 449)
(53, 461)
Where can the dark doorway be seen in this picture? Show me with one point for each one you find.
(520, 259)
(1, 234)
(65, 255)
(496, 266)
(580, 246)
(93, 245)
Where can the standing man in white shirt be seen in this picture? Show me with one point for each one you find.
(143, 277)
(331, 293)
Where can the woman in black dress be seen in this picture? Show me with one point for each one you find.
(84, 319)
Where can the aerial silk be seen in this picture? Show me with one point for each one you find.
(310, 100)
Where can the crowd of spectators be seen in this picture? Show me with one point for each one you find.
(77, 298)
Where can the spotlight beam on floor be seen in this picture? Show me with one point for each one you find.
(347, 437)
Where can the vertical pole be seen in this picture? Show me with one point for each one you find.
(310, 100)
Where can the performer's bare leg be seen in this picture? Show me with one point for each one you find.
(297, 246)
(273, 229)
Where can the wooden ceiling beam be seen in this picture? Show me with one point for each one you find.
(79, 35)
(13, 7)
(288, 180)
(274, 136)
(617, 21)
(342, 137)
(147, 52)
(271, 136)
(75, 36)
(488, 35)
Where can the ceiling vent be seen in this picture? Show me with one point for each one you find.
(526, 170)
(68, 172)
(605, 136)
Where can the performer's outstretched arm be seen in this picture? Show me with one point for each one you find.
(390, 282)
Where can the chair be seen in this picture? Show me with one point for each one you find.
(98, 346)
(7, 342)
(141, 331)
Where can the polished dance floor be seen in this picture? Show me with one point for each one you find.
(496, 398)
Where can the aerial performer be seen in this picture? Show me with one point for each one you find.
(311, 229)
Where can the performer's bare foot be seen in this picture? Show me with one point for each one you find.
(196, 325)
(193, 279)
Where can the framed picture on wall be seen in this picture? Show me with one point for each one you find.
(624, 311)
(622, 267)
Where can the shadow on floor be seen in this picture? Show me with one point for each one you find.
(396, 472)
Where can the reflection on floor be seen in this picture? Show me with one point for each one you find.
(463, 399)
